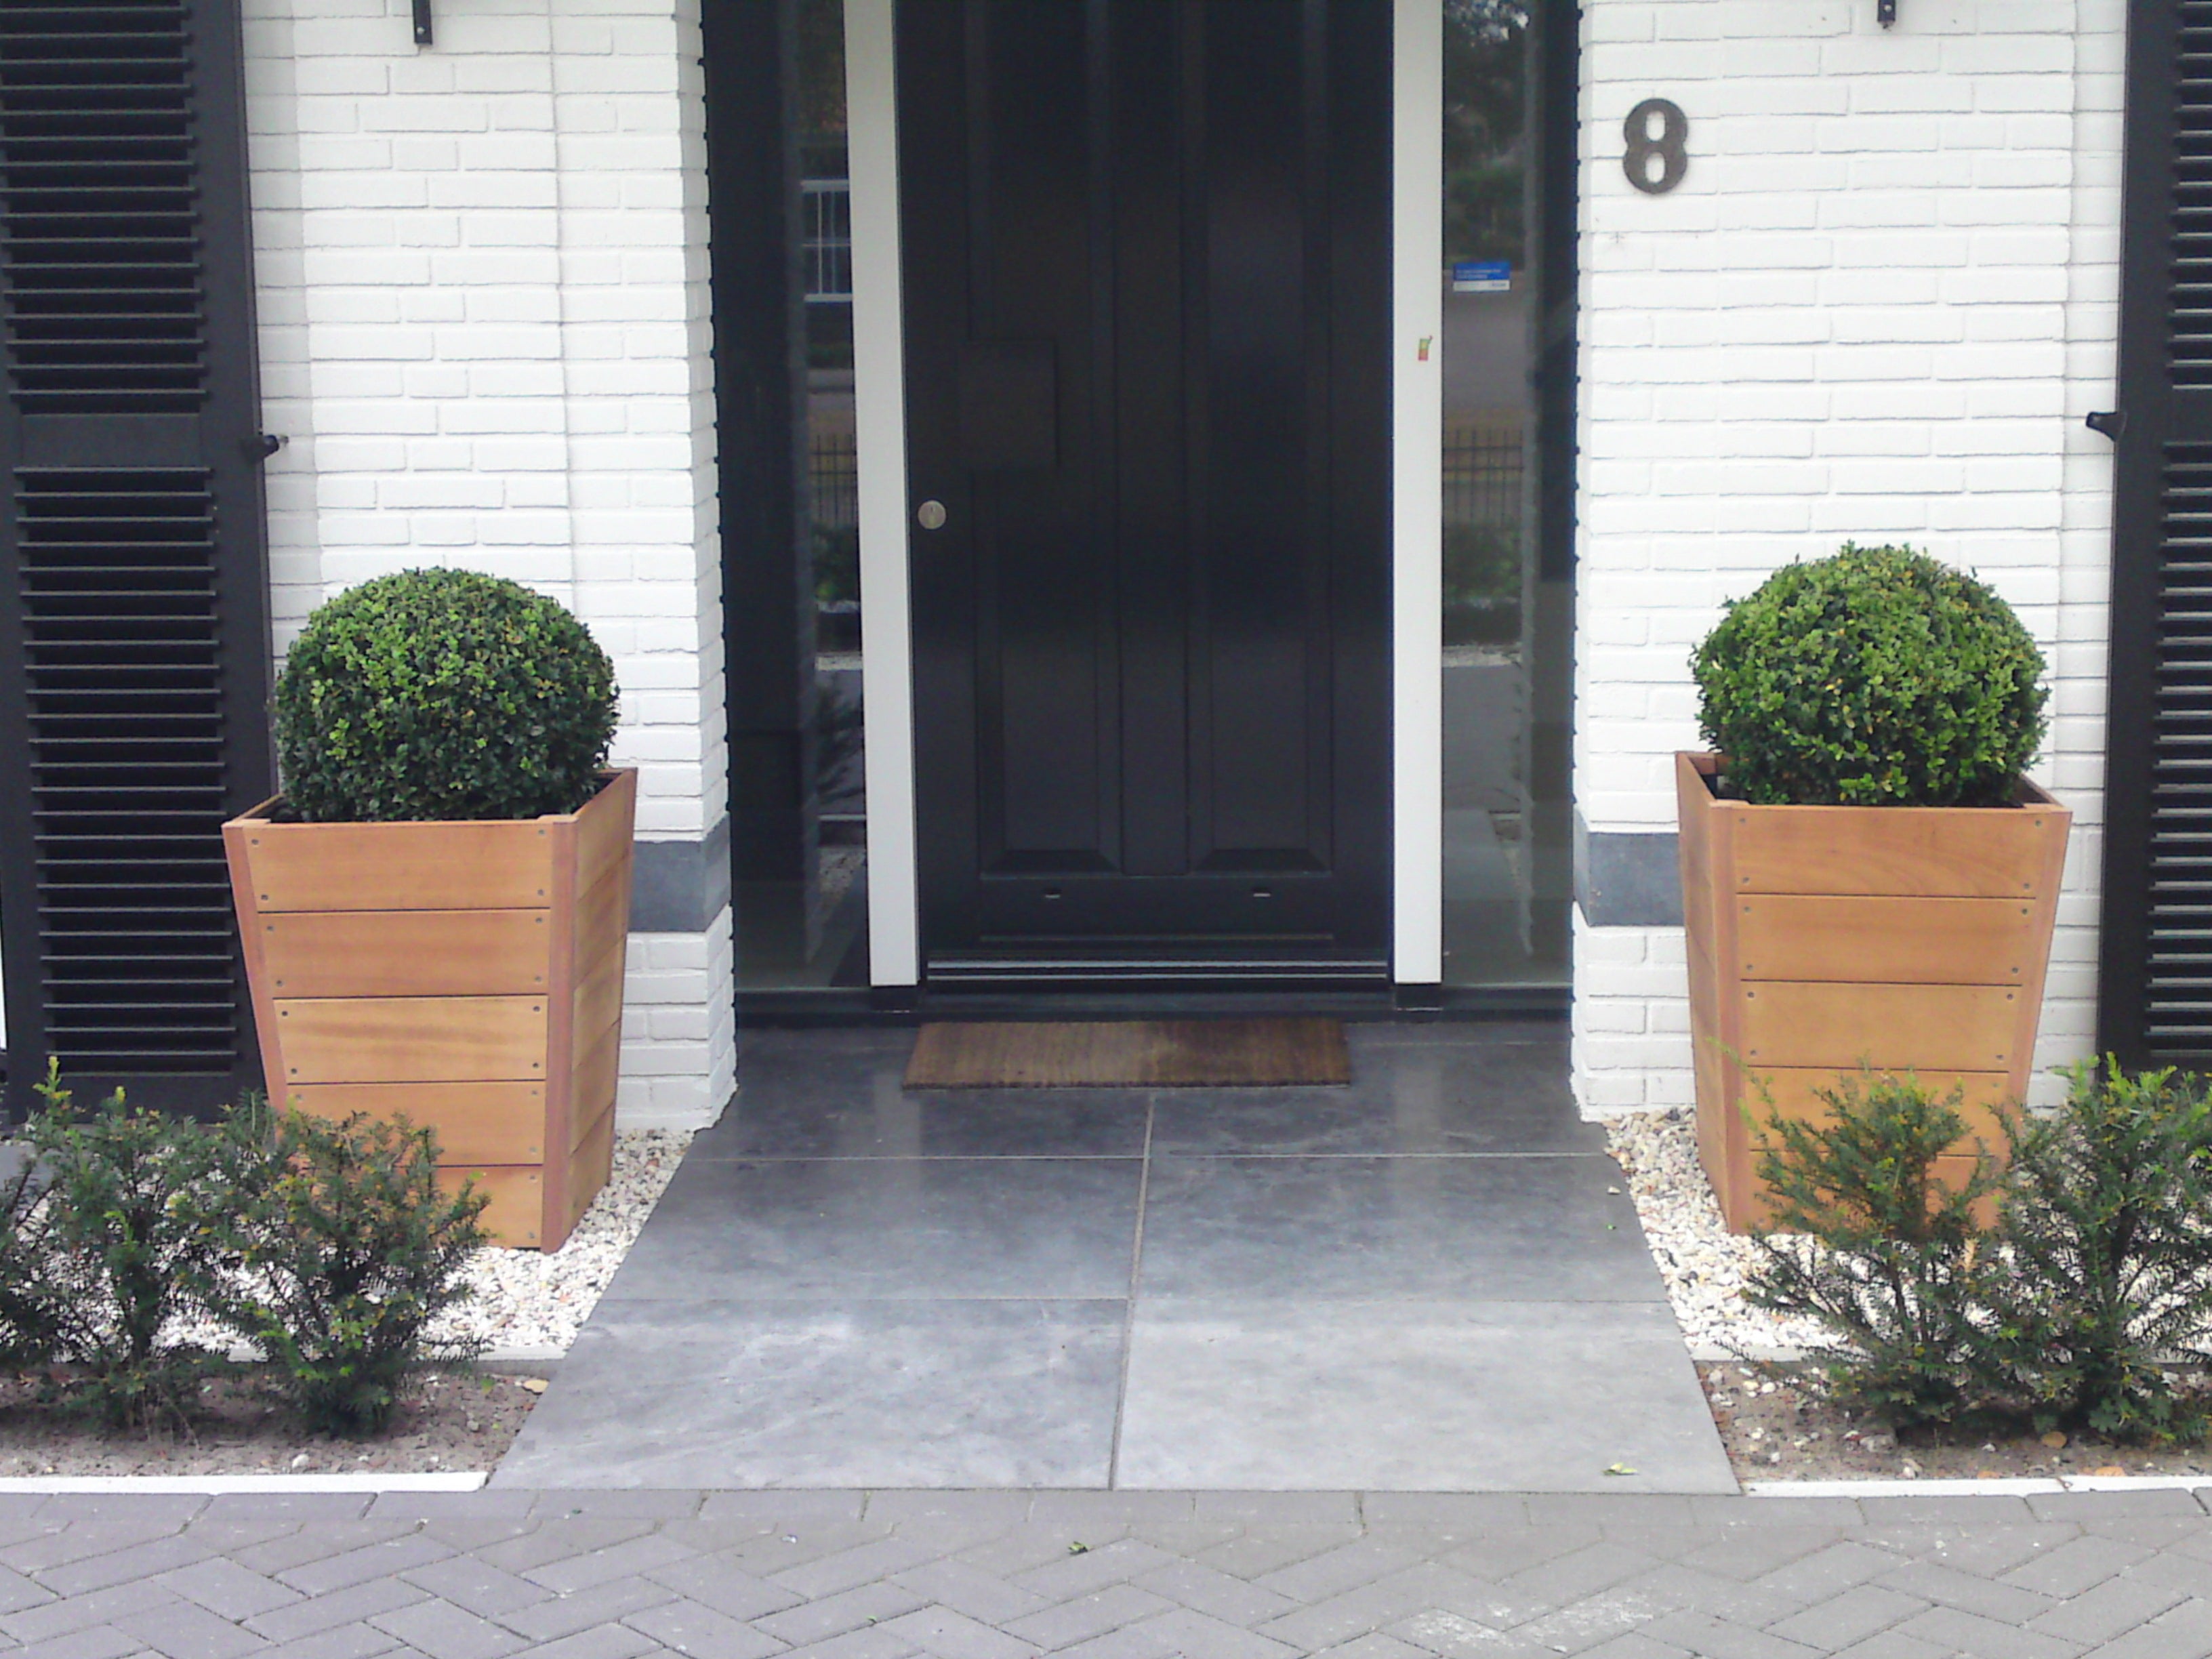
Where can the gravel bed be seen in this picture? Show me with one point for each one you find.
(1704, 1264)
(537, 1300)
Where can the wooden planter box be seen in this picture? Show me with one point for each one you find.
(1823, 938)
(467, 974)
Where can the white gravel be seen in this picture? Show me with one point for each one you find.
(537, 1300)
(1704, 1264)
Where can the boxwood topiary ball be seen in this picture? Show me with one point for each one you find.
(1874, 677)
(442, 694)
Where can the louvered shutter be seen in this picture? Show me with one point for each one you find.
(133, 603)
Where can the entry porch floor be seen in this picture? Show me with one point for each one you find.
(1430, 1280)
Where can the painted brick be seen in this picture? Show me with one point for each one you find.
(484, 320)
(1876, 308)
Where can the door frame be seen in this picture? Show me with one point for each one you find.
(1417, 500)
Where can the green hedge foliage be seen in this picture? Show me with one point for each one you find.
(442, 694)
(2086, 1305)
(1877, 677)
(346, 1251)
(129, 1238)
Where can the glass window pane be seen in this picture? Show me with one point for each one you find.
(1506, 840)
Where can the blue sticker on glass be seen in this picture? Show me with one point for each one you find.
(1482, 276)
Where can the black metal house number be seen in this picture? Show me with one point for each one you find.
(1665, 147)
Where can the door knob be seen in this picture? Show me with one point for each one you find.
(929, 515)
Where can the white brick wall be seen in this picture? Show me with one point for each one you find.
(1875, 309)
(483, 286)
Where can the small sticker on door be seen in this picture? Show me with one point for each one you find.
(1482, 276)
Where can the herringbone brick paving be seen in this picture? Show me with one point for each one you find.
(1103, 1575)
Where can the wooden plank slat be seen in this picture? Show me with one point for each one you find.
(604, 829)
(598, 1000)
(1951, 1173)
(398, 867)
(603, 914)
(1936, 1028)
(1939, 941)
(1795, 1096)
(412, 1039)
(1897, 850)
(596, 1074)
(589, 1165)
(422, 953)
(515, 1216)
(475, 1122)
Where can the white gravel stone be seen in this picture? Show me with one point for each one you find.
(538, 1299)
(1704, 1264)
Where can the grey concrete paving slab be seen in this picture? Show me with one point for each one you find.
(1423, 1093)
(955, 1393)
(917, 1228)
(1438, 1396)
(1516, 1228)
(849, 1284)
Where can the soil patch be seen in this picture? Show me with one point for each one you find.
(445, 1421)
(1777, 1428)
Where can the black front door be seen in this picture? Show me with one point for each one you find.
(1147, 296)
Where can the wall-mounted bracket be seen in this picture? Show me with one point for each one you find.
(422, 30)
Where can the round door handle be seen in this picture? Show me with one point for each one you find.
(929, 515)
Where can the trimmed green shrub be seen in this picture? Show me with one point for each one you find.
(442, 694)
(346, 1250)
(2108, 1229)
(104, 1242)
(1874, 677)
(1868, 1245)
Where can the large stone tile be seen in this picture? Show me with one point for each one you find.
(918, 1228)
(1414, 1396)
(874, 1117)
(723, 1394)
(1426, 1098)
(1505, 1228)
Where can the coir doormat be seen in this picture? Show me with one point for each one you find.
(1129, 1054)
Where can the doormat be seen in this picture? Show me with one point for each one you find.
(1160, 1054)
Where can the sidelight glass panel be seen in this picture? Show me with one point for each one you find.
(1508, 386)
(801, 888)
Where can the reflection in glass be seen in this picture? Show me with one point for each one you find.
(805, 926)
(1505, 827)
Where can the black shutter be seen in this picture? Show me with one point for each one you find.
(134, 640)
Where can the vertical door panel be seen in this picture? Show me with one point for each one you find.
(1263, 714)
(1137, 642)
(1045, 602)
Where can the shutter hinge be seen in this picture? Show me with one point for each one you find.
(422, 23)
(1885, 12)
(2109, 422)
(262, 445)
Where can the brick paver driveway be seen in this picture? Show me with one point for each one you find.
(1128, 1576)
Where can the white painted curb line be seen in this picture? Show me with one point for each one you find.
(2024, 1486)
(218, 1484)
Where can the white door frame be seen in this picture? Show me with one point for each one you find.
(879, 466)
(1417, 493)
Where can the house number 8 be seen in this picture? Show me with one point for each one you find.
(1665, 147)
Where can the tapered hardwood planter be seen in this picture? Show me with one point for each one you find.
(1822, 938)
(467, 974)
